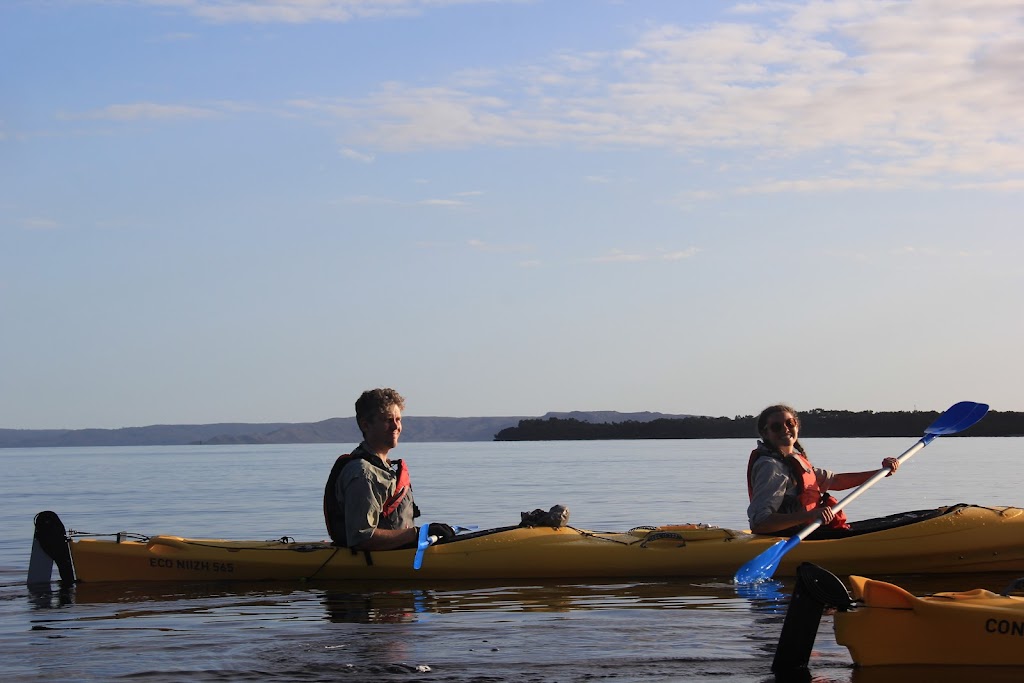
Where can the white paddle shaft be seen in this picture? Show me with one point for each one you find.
(876, 477)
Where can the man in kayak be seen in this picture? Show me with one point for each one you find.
(368, 503)
(786, 491)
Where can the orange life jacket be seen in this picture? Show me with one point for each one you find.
(809, 495)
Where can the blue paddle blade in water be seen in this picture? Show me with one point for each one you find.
(767, 597)
(762, 567)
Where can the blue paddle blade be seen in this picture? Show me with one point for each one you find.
(958, 418)
(423, 542)
(762, 567)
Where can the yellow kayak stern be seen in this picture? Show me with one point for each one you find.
(892, 626)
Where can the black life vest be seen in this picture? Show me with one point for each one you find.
(334, 514)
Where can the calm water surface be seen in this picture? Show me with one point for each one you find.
(634, 630)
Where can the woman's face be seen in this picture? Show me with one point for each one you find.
(782, 430)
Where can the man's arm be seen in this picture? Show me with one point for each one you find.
(388, 539)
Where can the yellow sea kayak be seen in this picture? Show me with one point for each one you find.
(891, 626)
(961, 538)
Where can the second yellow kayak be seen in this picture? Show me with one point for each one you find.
(891, 626)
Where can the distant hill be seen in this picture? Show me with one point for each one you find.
(345, 430)
(611, 416)
(333, 430)
(153, 435)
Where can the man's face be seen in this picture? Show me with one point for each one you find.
(382, 430)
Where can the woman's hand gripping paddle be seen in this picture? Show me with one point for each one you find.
(958, 418)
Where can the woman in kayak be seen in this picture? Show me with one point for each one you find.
(786, 491)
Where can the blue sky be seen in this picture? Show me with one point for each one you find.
(230, 210)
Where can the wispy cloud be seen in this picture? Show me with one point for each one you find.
(679, 255)
(363, 199)
(621, 256)
(480, 245)
(451, 203)
(1010, 185)
(915, 251)
(39, 224)
(179, 37)
(142, 111)
(883, 93)
(303, 11)
(909, 254)
(356, 155)
(438, 202)
(813, 185)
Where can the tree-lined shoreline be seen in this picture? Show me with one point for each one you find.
(816, 423)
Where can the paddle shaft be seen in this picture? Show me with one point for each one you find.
(875, 478)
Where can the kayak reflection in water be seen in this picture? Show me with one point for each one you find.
(371, 606)
(787, 492)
